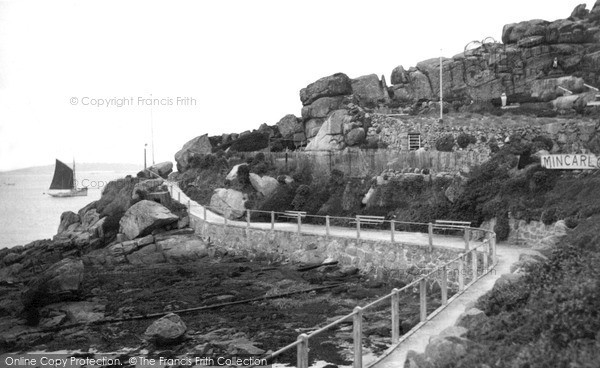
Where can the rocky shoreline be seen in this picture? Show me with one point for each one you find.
(127, 274)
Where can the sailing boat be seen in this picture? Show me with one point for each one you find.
(64, 183)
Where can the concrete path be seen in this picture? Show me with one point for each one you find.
(441, 241)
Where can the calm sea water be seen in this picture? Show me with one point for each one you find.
(27, 213)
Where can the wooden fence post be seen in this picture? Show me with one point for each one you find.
(474, 261)
(247, 219)
(357, 228)
(299, 224)
(302, 353)
(444, 285)
(327, 226)
(204, 212)
(430, 232)
(395, 317)
(493, 244)
(357, 337)
(179, 197)
(461, 276)
(467, 236)
(393, 229)
(272, 220)
(486, 254)
(423, 299)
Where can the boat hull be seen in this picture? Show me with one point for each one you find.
(69, 193)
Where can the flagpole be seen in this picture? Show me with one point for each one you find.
(152, 129)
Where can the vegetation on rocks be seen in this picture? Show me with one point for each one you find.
(549, 318)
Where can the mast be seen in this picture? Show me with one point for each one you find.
(152, 129)
(74, 177)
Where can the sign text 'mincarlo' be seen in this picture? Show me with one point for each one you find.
(578, 161)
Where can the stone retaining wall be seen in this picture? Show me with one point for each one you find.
(534, 234)
(381, 258)
(569, 135)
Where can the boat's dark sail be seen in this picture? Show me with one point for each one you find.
(63, 177)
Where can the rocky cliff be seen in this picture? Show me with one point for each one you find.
(531, 56)
(548, 68)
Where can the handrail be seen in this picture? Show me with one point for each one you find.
(488, 253)
(565, 90)
(591, 87)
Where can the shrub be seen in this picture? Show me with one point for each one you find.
(542, 142)
(494, 146)
(302, 174)
(571, 222)
(258, 158)
(280, 200)
(276, 146)
(205, 162)
(541, 182)
(502, 228)
(249, 204)
(243, 174)
(463, 140)
(254, 141)
(301, 197)
(493, 207)
(549, 216)
(445, 143)
(261, 168)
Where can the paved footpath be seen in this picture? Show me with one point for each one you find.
(337, 231)
(507, 255)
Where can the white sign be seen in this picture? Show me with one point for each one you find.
(576, 161)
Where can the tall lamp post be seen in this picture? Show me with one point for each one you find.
(145, 145)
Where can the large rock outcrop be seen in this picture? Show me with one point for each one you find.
(289, 125)
(162, 169)
(369, 90)
(334, 85)
(265, 185)
(60, 281)
(330, 135)
(143, 217)
(228, 202)
(197, 146)
(530, 53)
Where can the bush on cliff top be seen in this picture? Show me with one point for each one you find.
(463, 140)
(254, 141)
(550, 317)
(445, 143)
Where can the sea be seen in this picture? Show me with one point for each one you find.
(28, 213)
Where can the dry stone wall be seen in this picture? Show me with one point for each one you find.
(570, 135)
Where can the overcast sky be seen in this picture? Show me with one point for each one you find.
(241, 62)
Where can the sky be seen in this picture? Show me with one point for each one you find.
(96, 80)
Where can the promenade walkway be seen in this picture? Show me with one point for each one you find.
(417, 341)
(197, 210)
